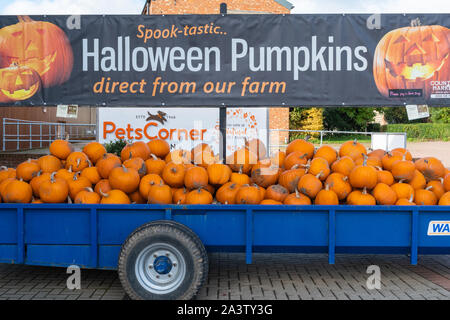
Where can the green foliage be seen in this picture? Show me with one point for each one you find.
(399, 115)
(116, 146)
(422, 131)
(348, 119)
(440, 115)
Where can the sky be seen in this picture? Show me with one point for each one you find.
(30, 7)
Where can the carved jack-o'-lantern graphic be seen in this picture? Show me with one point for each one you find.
(18, 83)
(411, 57)
(39, 45)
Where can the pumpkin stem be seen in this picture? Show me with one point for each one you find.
(69, 200)
(411, 198)
(179, 201)
(52, 177)
(429, 188)
(78, 162)
(226, 202)
(24, 19)
(319, 174)
(153, 156)
(106, 195)
(89, 189)
(401, 180)
(345, 178)
(240, 169)
(75, 178)
(125, 169)
(364, 190)
(379, 168)
(355, 142)
(89, 163)
(327, 187)
(365, 159)
(70, 169)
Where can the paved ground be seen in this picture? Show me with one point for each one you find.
(271, 276)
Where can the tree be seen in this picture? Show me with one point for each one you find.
(347, 118)
(306, 119)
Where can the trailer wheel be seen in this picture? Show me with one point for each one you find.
(162, 260)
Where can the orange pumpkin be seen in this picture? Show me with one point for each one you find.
(445, 199)
(3, 186)
(160, 194)
(61, 148)
(142, 150)
(276, 192)
(49, 163)
(418, 181)
(218, 173)
(242, 160)
(106, 163)
(226, 194)
(137, 198)
(159, 147)
(270, 202)
(17, 191)
(403, 152)
(196, 177)
(446, 182)
(437, 187)
(248, 194)
(114, 197)
(289, 178)
(339, 184)
(76, 185)
(239, 178)
(361, 198)
(310, 185)
(326, 197)
(297, 198)
(303, 146)
(378, 153)
(352, 149)
(343, 165)
(138, 164)
(326, 152)
(431, 168)
(384, 194)
(125, 179)
(87, 196)
(154, 165)
(179, 195)
(173, 174)
(403, 169)
(403, 190)
(363, 176)
(36, 182)
(91, 173)
(66, 174)
(54, 190)
(411, 58)
(103, 185)
(388, 160)
(178, 157)
(6, 173)
(77, 161)
(405, 202)
(199, 196)
(385, 176)
(148, 181)
(425, 197)
(371, 161)
(319, 166)
(27, 170)
(95, 151)
(264, 175)
(295, 158)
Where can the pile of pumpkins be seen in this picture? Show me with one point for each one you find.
(300, 175)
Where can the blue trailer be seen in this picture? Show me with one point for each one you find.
(160, 251)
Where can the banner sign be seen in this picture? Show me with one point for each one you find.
(232, 60)
(182, 128)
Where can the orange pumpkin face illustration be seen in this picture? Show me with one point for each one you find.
(18, 83)
(39, 45)
(412, 57)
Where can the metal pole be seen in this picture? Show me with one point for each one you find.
(223, 111)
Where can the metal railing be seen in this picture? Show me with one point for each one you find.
(28, 134)
(323, 135)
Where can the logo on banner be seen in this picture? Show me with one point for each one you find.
(159, 116)
(439, 228)
(33, 54)
(413, 62)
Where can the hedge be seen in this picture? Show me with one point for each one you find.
(421, 131)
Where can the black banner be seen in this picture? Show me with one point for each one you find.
(235, 60)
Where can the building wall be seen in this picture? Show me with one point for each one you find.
(278, 117)
(86, 115)
(213, 6)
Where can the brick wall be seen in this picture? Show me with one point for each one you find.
(278, 117)
(11, 160)
(213, 6)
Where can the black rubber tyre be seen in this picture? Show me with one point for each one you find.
(175, 235)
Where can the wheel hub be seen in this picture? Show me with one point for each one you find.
(162, 265)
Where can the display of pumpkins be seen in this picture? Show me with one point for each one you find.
(152, 173)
